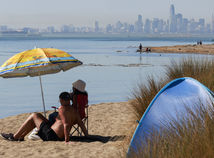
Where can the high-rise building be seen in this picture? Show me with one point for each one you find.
(3, 28)
(155, 23)
(119, 26)
(212, 24)
(172, 19)
(65, 28)
(131, 28)
(201, 25)
(96, 26)
(50, 29)
(109, 28)
(208, 28)
(185, 25)
(147, 26)
(139, 24)
(179, 22)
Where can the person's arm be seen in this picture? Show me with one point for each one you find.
(64, 115)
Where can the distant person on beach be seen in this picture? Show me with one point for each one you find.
(148, 50)
(199, 42)
(79, 98)
(58, 131)
(140, 47)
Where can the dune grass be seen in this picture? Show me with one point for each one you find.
(194, 136)
(199, 69)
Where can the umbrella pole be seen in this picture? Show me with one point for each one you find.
(43, 100)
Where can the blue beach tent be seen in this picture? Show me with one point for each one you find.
(171, 102)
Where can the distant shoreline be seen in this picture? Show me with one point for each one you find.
(109, 36)
(197, 49)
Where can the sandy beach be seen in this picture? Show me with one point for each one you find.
(197, 49)
(111, 126)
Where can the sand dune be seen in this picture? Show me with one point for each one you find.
(110, 127)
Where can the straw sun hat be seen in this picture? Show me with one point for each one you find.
(79, 85)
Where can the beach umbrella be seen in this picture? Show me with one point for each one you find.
(37, 62)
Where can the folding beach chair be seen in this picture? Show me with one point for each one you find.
(82, 107)
(76, 129)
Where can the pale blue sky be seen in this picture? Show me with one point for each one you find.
(85, 12)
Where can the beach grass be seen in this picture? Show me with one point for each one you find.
(199, 69)
(189, 137)
(192, 137)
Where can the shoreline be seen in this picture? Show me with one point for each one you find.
(194, 49)
(110, 124)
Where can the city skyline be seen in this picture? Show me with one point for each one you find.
(39, 13)
(176, 23)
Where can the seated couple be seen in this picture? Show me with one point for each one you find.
(79, 98)
(67, 116)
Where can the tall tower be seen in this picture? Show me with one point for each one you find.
(212, 23)
(96, 24)
(172, 19)
(139, 24)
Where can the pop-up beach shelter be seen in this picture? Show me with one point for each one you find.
(171, 103)
(37, 62)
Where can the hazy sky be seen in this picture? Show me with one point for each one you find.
(85, 12)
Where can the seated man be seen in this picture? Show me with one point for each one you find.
(79, 98)
(59, 130)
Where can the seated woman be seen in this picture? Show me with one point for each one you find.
(79, 98)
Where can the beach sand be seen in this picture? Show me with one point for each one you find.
(197, 49)
(111, 126)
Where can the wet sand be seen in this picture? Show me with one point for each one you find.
(197, 49)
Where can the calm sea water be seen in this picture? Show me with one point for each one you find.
(111, 69)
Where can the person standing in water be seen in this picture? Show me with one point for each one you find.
(140, 47)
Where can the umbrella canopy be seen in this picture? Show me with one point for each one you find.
(37, 62)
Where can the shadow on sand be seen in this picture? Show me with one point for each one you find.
(94, 138)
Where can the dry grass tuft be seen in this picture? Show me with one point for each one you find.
(199, 69)
(189, 137)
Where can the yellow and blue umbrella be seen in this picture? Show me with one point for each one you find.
(37, 62)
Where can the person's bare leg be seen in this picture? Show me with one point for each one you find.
(82, 126)
(34, 120)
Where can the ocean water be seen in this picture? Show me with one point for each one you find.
(111, 69)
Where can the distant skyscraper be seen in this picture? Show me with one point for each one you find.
(172, 19)
(65, 28)
(201, 25)
(155, 23)
(50, 29)
(3, 28)
(109, 28)
(119, 26)
(96, 26)
(139, 24)
(185, 25)
(179, 22)
(208, 28)
(212, 23)
(147, 26)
